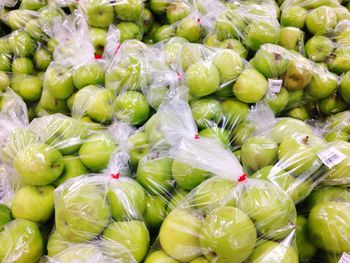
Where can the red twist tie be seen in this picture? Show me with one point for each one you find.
(180, 75)
(242, 178)
(198, 20)
(117, 48)
(115, 176)
(196, 137)
(98, 56)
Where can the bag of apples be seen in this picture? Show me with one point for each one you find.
(227, 217)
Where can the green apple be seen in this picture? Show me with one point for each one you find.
(218, 134)
(258, 151)
(250, 87)
(327, 194)
(291, 38)
(81, 252)
(342, 13)
(132, 236)
(153, 129)
(278, 102)
(81, 210)
(191, 54)
(4, 81)
(295, 98)
(322, 84)
(337, 135)
(227, 235)
(270, 208)
(340, 62)
(205, 111)
(176, 11)
(129, 30)
(32, 4)
(58, 80)
(202, 79)
(5, 62)
(298, 153)
(127, 199)
(298, 74)
(88, 74)
(129, 10)
(200, 260)
(213, 193)
(306, 249)
(272, 64)
(98, 39)
(180, 230)
(321, 20)
(73, 167)
(260, 32)
(132, 107)
(21, 240)
(17, 19)
(138, 147)
(5, 46)
(300, 113)
(39, 164)
(345, 86)
(236, 46)
(172, 49)
(22, 45)
(186, 176)
(328, 226)
(294, 16)
(275, 175)
(95, 102)
(5, 215)
(147, 20)
(234, 111)
(176, 199)
(242, 132)
(340, 121)
(22, 66)
(331, 105)
(229, 64)
(49, 103)
(96, 151)
(99, 13)
(33, 203)
(42, 58)
(319, 48)
(156, 95)
(229, 24)
(273, 252)
(164, 32)
(27, 86)
(33, 28)
(155, 212)
(52, 44)
(159, 6)
(189, 28)
(155, 175)
(159, 256)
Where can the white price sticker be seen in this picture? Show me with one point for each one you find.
(345, 258)
(331, 157)
(275, 85)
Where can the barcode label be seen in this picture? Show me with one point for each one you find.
(345, 258)
(275, 85)
(331, 157)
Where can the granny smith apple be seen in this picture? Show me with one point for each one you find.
(132, 107)
(227, 235)
(180, 230)
(81, 210)
(235, 111)
(98, 39)
(21, 44)
(155, 212)
(205, 111)
(298, 74)
(24, 236)
(306, 249)
(236, 46)
(189, 28)
(42, 58)
(155, 175)
(39, 164)
(32, 4)
(164, 32)
(5, 62)
(340, 62)
(23, 66)
(27, 86)
(82, 252)
(95, 152)
(202, 79)
(33, 203)
(176, 11)
(129, 30)
(200, 260)
(331, 105)
(159, 256)
(250, 86)
(286, 127)
(159, 6)
(88, 74)
(4, 81)
(242, 132)
(218, 134)
(33, 28)
(190, 54)
(229, 64)
(132, 235)
(278, 102)
(321, 20)
(129, 10)
(291, 38)
(327, 194)
(319, 48)
(176, 199)
(138, 147)
(260, 32)
(300, 113)
(147, 20)
(337, 135)
(58, 80)
(5, 215)
(229, 24)
(52, 44)
(275, 175)
(322, 85)
(99, 13)
(345, 86)
(51, 104)
(294, 16)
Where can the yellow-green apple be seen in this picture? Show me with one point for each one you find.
(319, 48)
(95, 152)
(42, 58)
(164, 32)
(58, 81)
(260, 32)
(159, 256)
(5, 215)
(32, 4)
(322, 84)
(294, 16)
(345, 86)
(295, 98)
(147, 20)
(190, 54)
(291, 38)
(202, 78)
(189, 28)
(250, 87)
(159, 6)
(298, 74)
(129, 30)
(229, 24)
(227, 235)
(131, 236)
(275, 175)
(99, 13)
(180, 230)
(56, 243)
(218, 134)
(29, 87)
(327, 194)
(21, 241)
(270, 208)
(155, 175)
(286, 127)
(229, 64)
(88, 74)
(235, 111)
(33, 28)
(39, 164)
(22, 66)
(132, 107)
(18, 18)
(51, 104)
(337, 135)
(200, 260)
(331, 105)
(278, 101)
(300, 113)
(205, 111)
(177, 198)
(321, 20)
(81, 210)
(235, 45)
(242, 132)
(21, 44)
(82, 252)
(138, 147)
(176, 11)
(129, 10)
(98, 39)
(5, 62)
(340, 62)
(155, 212)
(306, 249)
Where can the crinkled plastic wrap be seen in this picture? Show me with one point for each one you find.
(337, 127)
(227, 217)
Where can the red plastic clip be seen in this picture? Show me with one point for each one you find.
(242, 178)
(198, 20)
(98, 56)
(115, 176)
(196, 137)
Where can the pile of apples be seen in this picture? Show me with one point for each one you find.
(174, 131)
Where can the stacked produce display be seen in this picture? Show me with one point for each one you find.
(174, 131)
